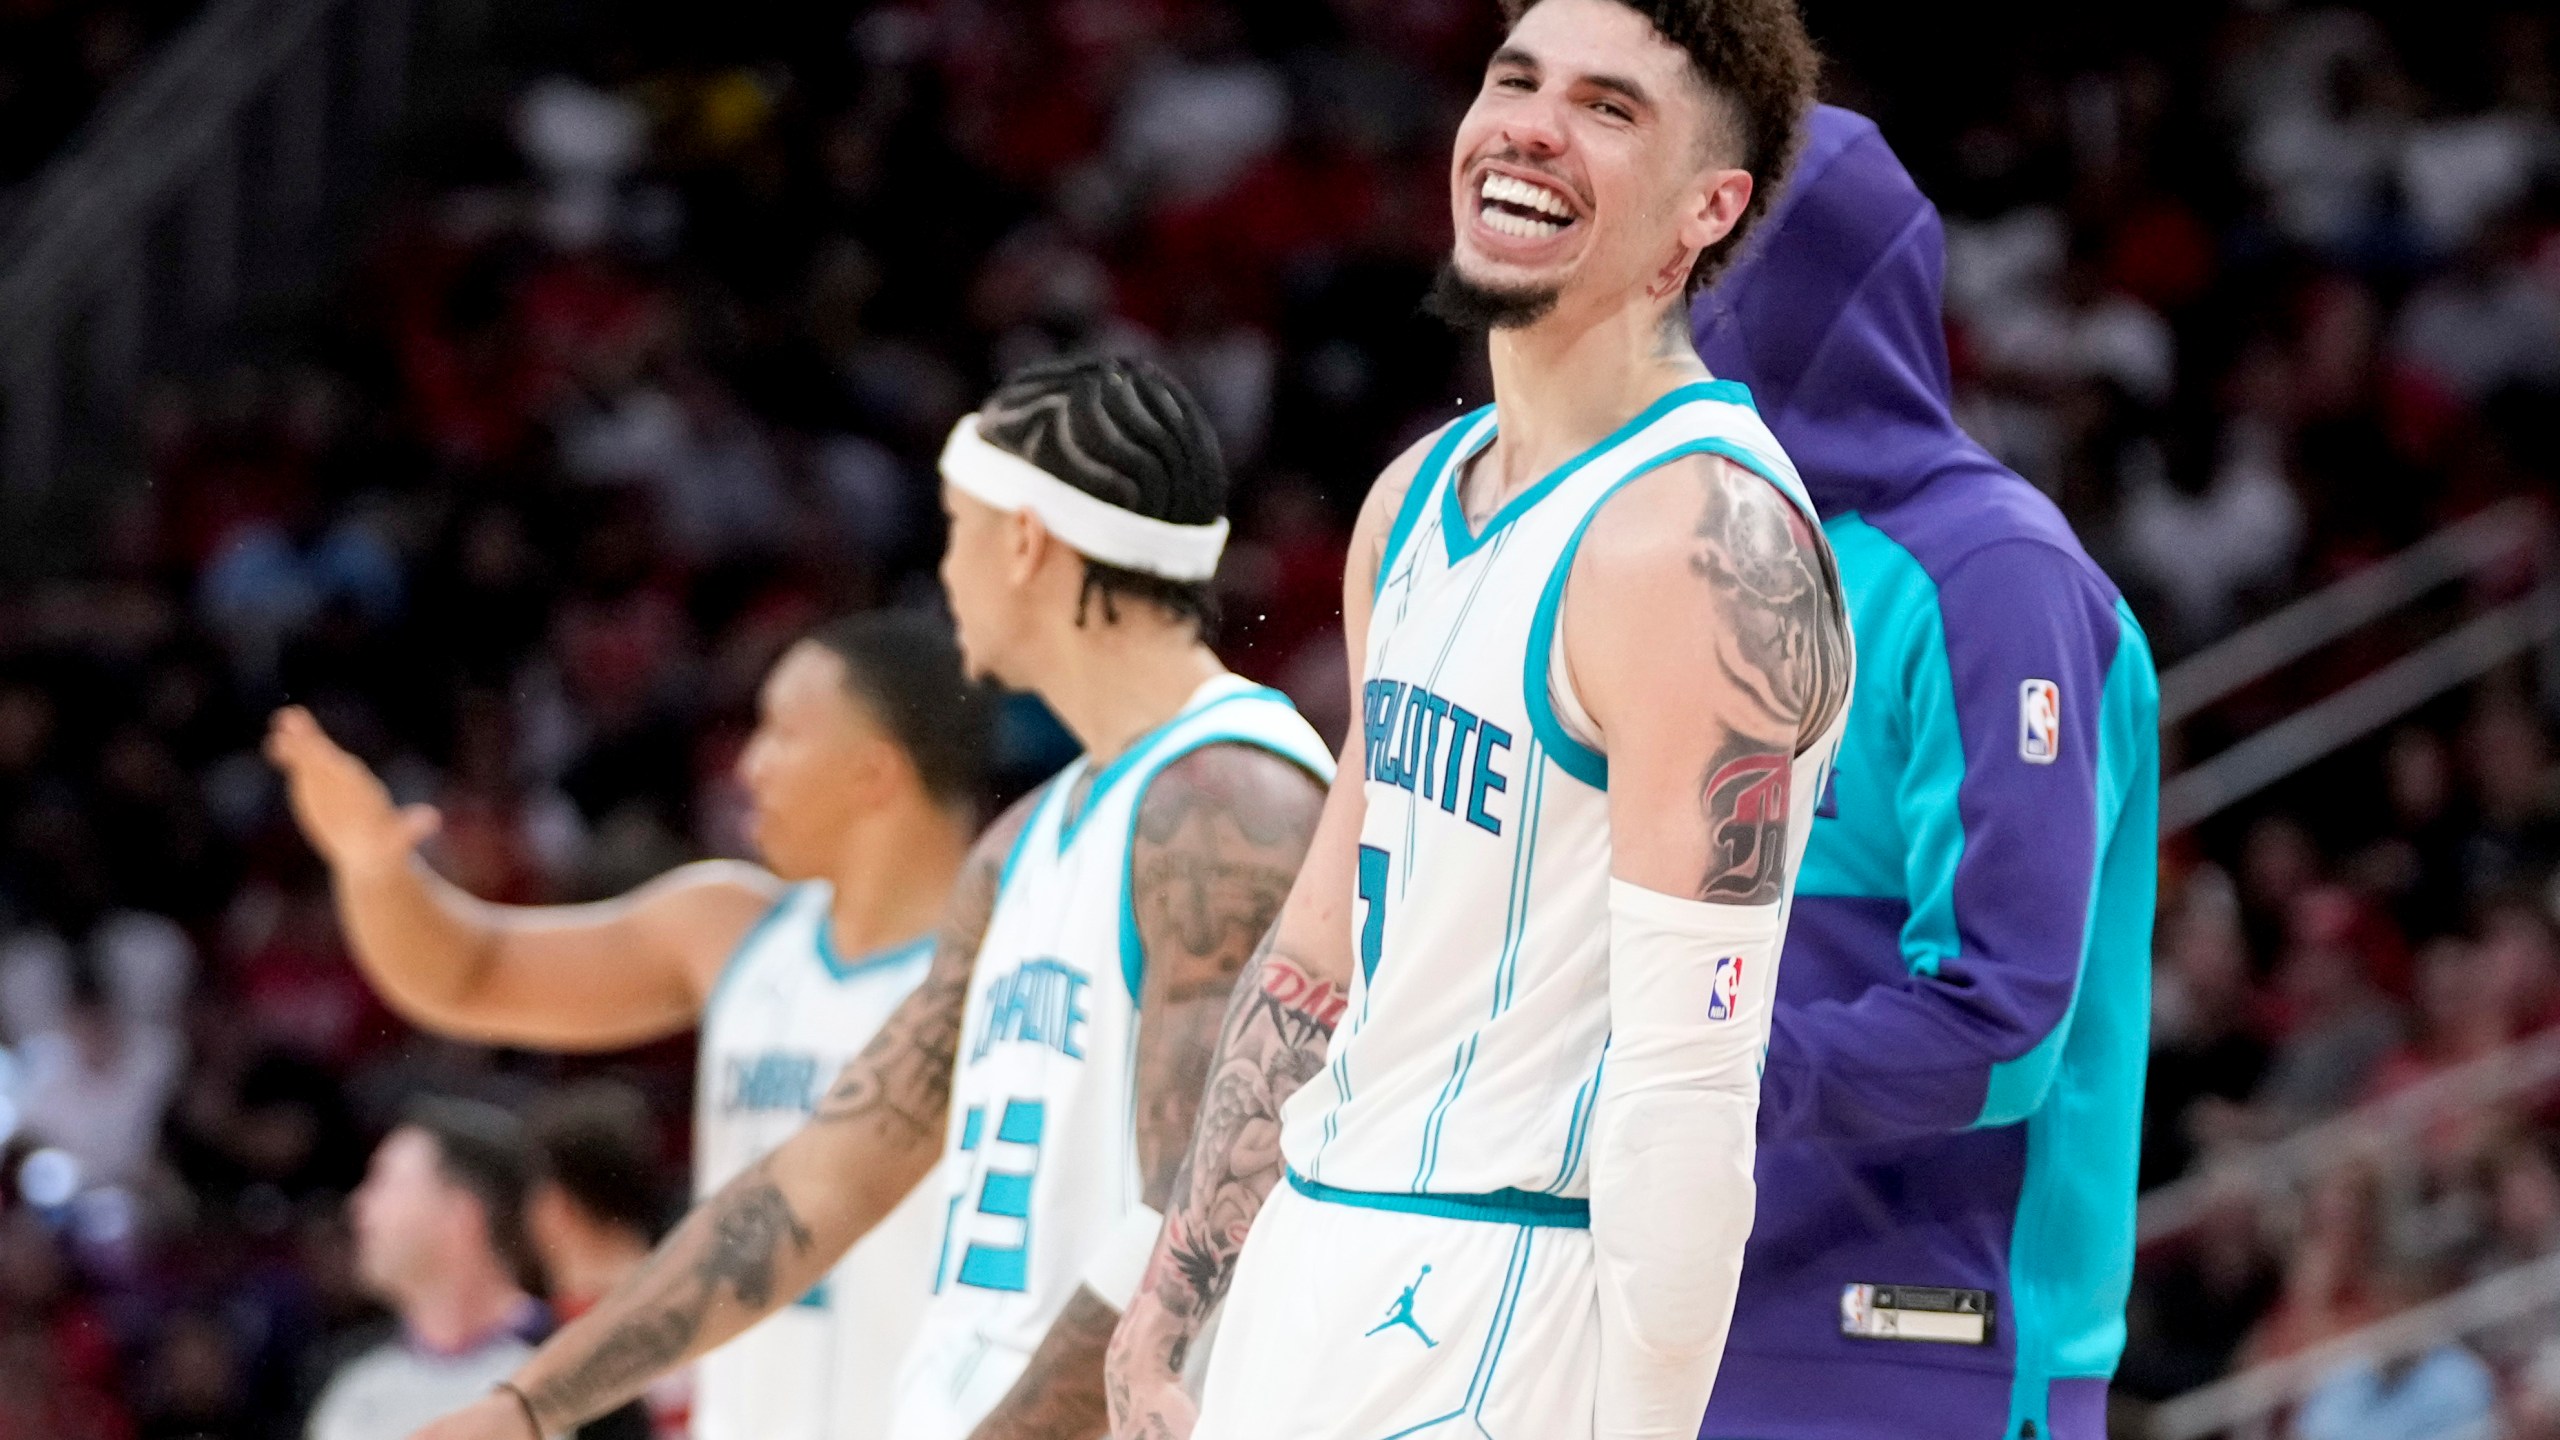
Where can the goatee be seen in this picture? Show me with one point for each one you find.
(1473, 307)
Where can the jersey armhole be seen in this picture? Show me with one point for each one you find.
(746, 943)
(1311, 758)
(1566, 735)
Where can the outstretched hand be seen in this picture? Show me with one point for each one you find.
(342, 806)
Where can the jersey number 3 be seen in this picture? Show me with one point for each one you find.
(1003, 1195)
(1373, 893)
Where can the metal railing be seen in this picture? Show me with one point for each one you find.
(2294, 1161)
(201, 185)
(2258, 1393)
(2463, 548)
(2460, 551)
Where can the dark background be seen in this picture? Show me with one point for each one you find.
(632, 361)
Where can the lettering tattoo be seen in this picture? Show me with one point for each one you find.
(1745, 800)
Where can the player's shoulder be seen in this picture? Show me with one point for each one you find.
(1681, 520)
(1387, 492)
(995, 843)
(713, 902)
(1255, 786)
(1386, 497)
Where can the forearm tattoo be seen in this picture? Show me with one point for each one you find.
(732, 1245)
(1273, 1042)
(740, 1243)
(903, 1077)
(1058, 1396)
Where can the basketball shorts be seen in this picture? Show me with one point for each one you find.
(1351, 1322)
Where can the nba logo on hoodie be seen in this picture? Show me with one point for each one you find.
(2039, 721)
(1724, 996)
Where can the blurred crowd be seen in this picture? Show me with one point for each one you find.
(638, 367)
(57, 59)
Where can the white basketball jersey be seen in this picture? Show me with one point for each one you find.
(1469, 1057)
(1041, 1164)
(785, 1017)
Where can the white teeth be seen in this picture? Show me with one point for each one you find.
(1516, 191)
(1520, 225)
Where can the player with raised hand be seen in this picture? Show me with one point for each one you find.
(1051, 1063)
(864, 773)
(1602, 658)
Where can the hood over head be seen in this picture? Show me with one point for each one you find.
(1833, 318)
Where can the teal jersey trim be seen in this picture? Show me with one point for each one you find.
(1313, 760)
(1049, 792)
(1463, 540)
(738, 952)
(1570, 755)
(1136, 756)
(885, 958)
(1417, 496)
(2071, 1248)
(1498, 1207)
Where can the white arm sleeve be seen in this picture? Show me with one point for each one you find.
(1690, 989)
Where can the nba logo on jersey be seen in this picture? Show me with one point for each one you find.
(1724, 998)
(2039, 721)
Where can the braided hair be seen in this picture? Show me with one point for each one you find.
(1121, 430)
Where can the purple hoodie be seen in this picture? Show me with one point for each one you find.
(1952, 1094)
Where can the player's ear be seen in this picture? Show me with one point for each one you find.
(1714, 205)
(1027, 543)
(879, 768)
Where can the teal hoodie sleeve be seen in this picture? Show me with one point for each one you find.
(2015, 699)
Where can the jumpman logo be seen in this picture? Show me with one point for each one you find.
(1401, 1313)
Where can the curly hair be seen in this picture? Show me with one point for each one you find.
(1755, 57)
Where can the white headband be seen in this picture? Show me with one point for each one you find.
(1094, 527)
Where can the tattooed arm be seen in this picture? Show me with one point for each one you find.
(1220, 836)
(772, 1232)
(1703, 719)
(1761, 656)
(1279, 1018)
